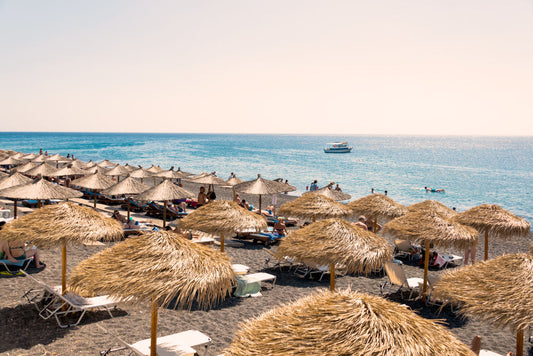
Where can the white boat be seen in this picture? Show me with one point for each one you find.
(337, 147)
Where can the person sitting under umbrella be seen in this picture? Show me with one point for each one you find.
(280, 227)
(17, 251)
(118, 216)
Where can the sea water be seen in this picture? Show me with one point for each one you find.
(471, 170)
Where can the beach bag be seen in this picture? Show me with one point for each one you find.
(212, 196)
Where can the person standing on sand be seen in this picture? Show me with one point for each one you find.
(314, 185)
(470, 252)
(202, 197)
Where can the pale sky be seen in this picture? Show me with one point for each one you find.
(461, 67)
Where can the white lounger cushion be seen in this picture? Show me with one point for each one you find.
(179, 344)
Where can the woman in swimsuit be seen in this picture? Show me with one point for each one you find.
(280, 227)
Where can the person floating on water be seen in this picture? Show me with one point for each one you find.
(433, 190)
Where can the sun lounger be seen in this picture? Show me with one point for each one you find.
(267, 238)
(134, 206)
(451, 260)
(15, 268)
(240, 269)
(323, 270)
(49, 301)
(179, 344)
(397, 278)
(250, 284)
(286, 261)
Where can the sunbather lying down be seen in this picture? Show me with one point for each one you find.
(17, 251)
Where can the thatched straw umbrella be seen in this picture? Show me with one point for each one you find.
(260, 186)
(180, 272)
(141, 174)
(499, 290)
(495, 221)
(106, 164)
(221, 218)
(3, 175)
(331, 193)
(231, 183)
(314, 206)
(40, 189)
(165, 191)
(335, 241)
(377, 206)
(130, 168)
(118, 171)
(57, 158)
(431, 228)
(94, 169)
(44, 170)
(155, 169)
(40, 159)
(432, 205)
(10, 161)
(78, 164)
(23, 168)
(90, 164)
(14, 180)
(29, 156)
(172, 174)
(344, 323)
(69, 171)
(96, 182)
(62, 224)
(128, 186)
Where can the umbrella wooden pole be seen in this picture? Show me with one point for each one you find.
(375, 225)
(95, 199)
(486, 245)
(314, 218)
(520, 343)
(15, 208)
(153, 334)
(233, 194)
(63, 266)
(221, 242)
(332, 277)
(164, 213)
(259, 203)
(128, 209)
(426, 267)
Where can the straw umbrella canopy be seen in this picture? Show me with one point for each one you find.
(495, 221)
(62, 224)
(128, 186)
(44, 170)
(69, 171)
(90, 164)
(129, 168)
(221, 218)
(118, 171)
(181, 273)
(78, 164)
(94, 169)
(172, 174)
(25, 167)
(335, 241)
(29, 156)
(344, 323)
(260, 186)
(40, 158)
(377, 206)
(232, 182)
(205, 178)
(165, 191)
(96, 182)
(431, 228)
(10, 161)
(331, 193)
(14, 180)
(432, 205)
(499, 291)
(141, 173)
(3, 175)
(58, 159)
(106, 164)
(314, 206)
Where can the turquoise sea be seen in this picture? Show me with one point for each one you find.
(472, 170)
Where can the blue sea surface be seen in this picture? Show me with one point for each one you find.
(472, 170)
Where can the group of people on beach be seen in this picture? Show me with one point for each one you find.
(17, 251)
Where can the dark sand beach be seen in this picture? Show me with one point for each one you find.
(24, 333)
